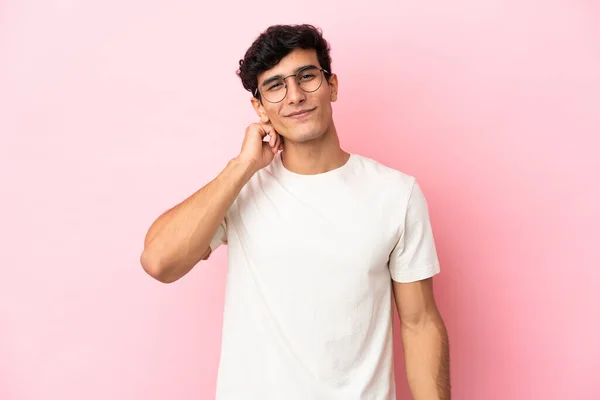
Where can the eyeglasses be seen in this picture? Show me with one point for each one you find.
(275, 89)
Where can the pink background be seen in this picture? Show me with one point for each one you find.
(113, 111)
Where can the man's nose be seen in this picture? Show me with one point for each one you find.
(295, 94)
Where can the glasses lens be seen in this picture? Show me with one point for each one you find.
(274, 91)
(309, 79)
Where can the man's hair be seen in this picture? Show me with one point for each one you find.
(274, 44)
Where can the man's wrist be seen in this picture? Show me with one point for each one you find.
(248, 167)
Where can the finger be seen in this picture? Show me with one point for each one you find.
(277, 141)
(269, 130)
(263, 130)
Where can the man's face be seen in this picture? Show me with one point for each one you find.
(317, 118)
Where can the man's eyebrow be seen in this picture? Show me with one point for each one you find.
(275, 77)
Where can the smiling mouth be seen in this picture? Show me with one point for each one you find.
(301, 115)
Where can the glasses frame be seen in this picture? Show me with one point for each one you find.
(322, 71)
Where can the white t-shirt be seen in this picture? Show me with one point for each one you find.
(309, 306)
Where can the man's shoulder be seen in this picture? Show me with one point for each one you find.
(382, 172)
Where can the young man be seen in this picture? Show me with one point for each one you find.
(319, 239)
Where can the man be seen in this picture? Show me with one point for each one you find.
(318, 241)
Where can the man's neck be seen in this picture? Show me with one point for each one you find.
(314, 157)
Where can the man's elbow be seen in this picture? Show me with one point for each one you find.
(152, 266)
(168, 272)
(420, 321)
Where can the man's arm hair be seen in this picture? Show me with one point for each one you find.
(181, 236)
(425, 340)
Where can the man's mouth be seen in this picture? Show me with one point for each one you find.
(300, 113)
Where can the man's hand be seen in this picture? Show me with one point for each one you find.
(255, 151)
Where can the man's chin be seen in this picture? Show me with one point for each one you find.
(302, 136)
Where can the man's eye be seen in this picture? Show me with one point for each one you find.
(275, 86)
(306, 77)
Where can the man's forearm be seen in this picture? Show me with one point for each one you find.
(177, 239)
(427, 357)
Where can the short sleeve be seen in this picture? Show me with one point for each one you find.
(220, 237)
(414, 256)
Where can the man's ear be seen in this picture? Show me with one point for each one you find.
(333, 87)
(260, 110)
